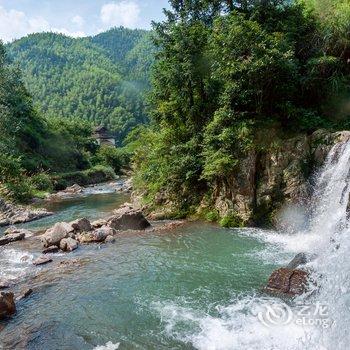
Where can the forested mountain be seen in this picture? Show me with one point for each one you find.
(101, 79)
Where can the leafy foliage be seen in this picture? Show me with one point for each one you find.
(225, 70)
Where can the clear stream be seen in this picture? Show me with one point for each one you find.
(194, 287)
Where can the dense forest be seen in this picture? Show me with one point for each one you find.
(227, 73)
(101, 79)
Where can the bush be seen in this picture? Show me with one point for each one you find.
(42, 182)
(110, 157)
(96, 174)
(212, 216)
(231, 220)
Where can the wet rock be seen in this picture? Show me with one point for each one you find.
(55, 234)
(288, 282)
(99, 223)
(11, 214)
(81, 225)
(96, 236)
(68, 192)
(24, 294)
(110, 239)
(14, 229)
(7, 305)
(42, 260)
(4, 284)
(68, 244)
(50, 250)
(128, 218)
(299, 260)
(11, 237)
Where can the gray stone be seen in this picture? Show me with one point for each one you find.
(42, 260)
(81, 225)
(98, 235)
(127, 218)
(11, 237)
(110, 239)
(50, 250)
(299, 260)
(55, 234)
(68, 244)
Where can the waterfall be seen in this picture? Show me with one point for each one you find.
(330, 222)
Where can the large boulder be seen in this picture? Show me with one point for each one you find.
(128, 218)
(96, 236)
(55, 234)
(7, 305)
(12, 237)
(289, 282)
(81, 225)
(68, 244)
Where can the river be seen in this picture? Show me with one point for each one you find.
(197, 286)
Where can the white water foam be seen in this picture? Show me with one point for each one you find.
(108, 346)
(14, 263)
(237, 326)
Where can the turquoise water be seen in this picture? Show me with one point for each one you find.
(186, 288)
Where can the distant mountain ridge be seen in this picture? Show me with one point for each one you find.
(102, 79)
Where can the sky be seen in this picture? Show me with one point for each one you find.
(76, 18)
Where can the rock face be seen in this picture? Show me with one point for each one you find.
(55, 234)
(269, 179)
(127, 218)
(11, 214)
(12, 237)
(287, 282)
(7, 305)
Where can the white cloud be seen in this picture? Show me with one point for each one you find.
(78, 20)
(15, 24)
(122, 13)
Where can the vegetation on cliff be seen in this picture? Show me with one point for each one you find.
(227, 70)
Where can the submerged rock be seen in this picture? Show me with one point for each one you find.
(110, 239)
(7, 305)
(128, 218)
(11, 237)
(42, 260)
(24, 294)
(68, 244)
(288, 282)
(55, 234)
(50, 250)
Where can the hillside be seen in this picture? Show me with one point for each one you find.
(101, 79)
